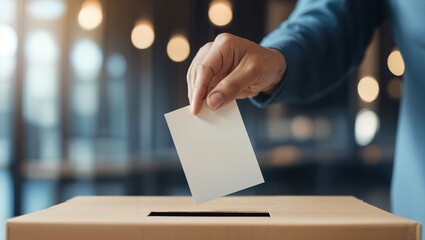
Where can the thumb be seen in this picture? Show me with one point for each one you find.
(228, 89)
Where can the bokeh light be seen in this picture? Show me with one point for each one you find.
(90, 15)
(220, 12)
(7, 10)
(86, 59)
(178, 48)
(395, 63)
(395, 88)
(368, 89)
(366, 126)
(41, 82)
(41, 47)
(46, 9)
(8, 41)
(143, 35)
(85, 99)
(283, 156)
(302, 128)
(116, 66)
(8, 46)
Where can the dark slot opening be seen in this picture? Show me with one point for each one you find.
(209, 214)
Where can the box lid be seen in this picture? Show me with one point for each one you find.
(127, 218)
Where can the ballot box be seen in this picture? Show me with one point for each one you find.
(262, 217)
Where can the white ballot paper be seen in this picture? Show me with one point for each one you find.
(215, 151)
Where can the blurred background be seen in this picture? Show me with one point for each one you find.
(84, 85)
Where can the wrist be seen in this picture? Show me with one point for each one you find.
(280, 63)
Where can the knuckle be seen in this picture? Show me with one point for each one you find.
(200, 68)
(224, 38)
(204, 68)
(206, 47)
(232, 88)
(254, 68)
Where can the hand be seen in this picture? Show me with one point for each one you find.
(232, 68)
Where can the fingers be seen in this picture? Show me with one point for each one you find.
(231, 87)
(218, 60)
(191, 73)
(231, 68)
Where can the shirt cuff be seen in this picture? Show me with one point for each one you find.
(290, 49)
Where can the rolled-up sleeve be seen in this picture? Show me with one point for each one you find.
(321, 41)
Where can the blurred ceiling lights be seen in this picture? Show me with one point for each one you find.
(90, 15)
(366, 126)
(368, 89)
(395, 63)
(143, 35)
(178, 48)
(46, 9)
(220, 12)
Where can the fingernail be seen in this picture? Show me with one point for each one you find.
(192, 110)
(216, 100)
(192, 106)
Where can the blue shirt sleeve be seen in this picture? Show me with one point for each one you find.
(321, 41)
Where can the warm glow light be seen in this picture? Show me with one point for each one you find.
(86, 59)
(220, 12)
(368, 89)
(283, 156)
(302, 128)
(90, 15)
(178, 48)
(395, 88)
(143, 35)
(46, 9)
(366, 126)
(395, 63)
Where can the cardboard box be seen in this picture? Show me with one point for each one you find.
(125, 218)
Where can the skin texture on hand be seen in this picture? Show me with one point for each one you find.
(232, 68)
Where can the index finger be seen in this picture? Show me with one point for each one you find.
(218, 60)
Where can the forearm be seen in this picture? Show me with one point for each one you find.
(321, 41)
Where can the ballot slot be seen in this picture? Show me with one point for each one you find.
(207, 214)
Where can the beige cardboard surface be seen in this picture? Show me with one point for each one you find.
(126, 218)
